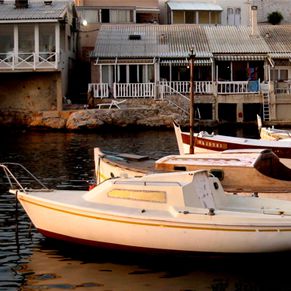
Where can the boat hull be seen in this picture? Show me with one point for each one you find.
(204, 142)
(210, 234)
(229, 167)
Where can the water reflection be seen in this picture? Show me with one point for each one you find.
(56, 266)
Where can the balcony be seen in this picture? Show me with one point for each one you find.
(165, 88)
(42, 61)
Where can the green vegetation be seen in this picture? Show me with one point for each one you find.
(275, 17)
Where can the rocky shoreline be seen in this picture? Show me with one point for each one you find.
(151, 115)
(134, 113)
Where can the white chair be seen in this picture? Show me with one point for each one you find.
(110, 105)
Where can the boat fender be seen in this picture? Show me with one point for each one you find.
(92, 186)
(211, 211)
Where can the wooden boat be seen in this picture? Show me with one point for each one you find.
(205, 142)
(112, 165)
(254, 171)
(272, 133)
(180, 211)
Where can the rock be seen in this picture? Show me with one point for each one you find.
(148, 113)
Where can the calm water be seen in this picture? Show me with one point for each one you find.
(28, 261)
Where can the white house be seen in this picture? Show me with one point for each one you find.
(37, 53)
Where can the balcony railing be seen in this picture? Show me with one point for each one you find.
(28, 61)
(122, 90)
(143, 90)
(238, 87)
(183, 87)
(283, 87)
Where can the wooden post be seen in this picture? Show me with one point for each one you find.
(191, 113)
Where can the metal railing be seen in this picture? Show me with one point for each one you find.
(14, 183)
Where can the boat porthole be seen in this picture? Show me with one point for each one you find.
(216, 186)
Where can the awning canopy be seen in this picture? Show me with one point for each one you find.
(280, 55)
(113, 61)
(190, 6)
(240, 57)
(197, 62)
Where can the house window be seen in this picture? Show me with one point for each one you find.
(178, 17)
(224, 70)
(203, 17)
(105, 16)
(279, 74)
(190, 17)
(121, 16)
(26, 38)
(47, 37)
(6, 37)
(91, 16)
(107, 74)
(237, 17)
(233, 16)
(215, 17)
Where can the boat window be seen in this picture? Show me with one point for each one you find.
(180, 168)
(150, 196)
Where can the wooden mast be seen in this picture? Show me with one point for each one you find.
(191, 112)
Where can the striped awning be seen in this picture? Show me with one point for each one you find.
(177, 62)
(240, 57)
(280, 55)
(113, 61)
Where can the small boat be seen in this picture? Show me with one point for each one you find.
(180, 211)
(205, 142)
(251, 171)
(272, 133)
(111, 165)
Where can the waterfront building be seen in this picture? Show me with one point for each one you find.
(228, 12)
(92, 14)
(37, 53)
(239, 70)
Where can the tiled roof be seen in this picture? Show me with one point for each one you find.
(234, 39)
(36, 10)
(152, 40)
(155, 41)
(278, 37)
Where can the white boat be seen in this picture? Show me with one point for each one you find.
(272, 133)
(184, 211)
(112, 165)
(205, 142)
(252, 171)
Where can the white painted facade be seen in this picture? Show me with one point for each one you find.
(238, 12)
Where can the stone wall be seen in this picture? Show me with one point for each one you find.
(29, 91)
